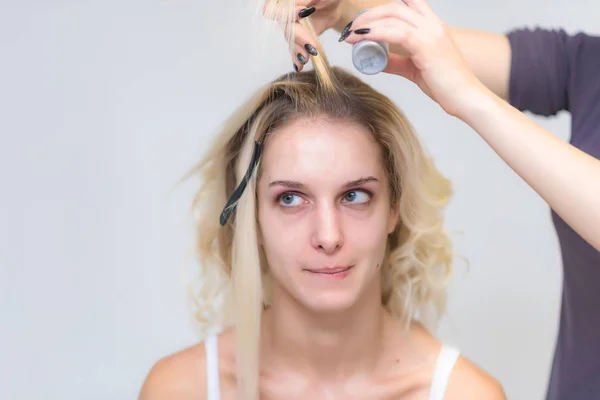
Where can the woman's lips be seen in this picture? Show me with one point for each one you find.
(332, 272)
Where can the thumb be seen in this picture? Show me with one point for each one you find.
(400, 65)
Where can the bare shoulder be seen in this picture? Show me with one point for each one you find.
(467, 380)
(179, 376)
(470, 382)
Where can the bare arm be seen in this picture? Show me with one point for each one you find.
(564, 176)
(487, 54)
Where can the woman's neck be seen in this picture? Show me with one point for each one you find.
(327, 347)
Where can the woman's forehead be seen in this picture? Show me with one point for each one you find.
(321, 140)
(310, 148)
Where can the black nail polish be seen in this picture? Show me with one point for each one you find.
(311, 50)
(306, 12)
(346, 31)
(295, 67)
(301, 59)
(362, 31)
(345, 35)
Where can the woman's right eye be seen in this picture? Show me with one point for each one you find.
(290, 200)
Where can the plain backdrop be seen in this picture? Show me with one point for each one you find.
(104, 105)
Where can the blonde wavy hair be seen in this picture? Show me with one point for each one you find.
(232, 286)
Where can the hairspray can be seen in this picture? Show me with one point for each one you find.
(368, 56)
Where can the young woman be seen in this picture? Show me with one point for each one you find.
(321, 237)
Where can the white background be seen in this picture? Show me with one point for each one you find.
(105, 104)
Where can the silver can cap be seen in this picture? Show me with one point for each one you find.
(369, 57)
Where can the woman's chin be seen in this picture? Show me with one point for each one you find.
(329, 301)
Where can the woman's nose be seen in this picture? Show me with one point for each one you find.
(328, 235)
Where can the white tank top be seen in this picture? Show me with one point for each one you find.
(441, 375)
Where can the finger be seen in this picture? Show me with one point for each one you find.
(389, 30)
(421, 7)
(304, 12)
(297, 34)
(390, 10)
(302, 48)
(303, 38)
(300, 55)
(402, 66)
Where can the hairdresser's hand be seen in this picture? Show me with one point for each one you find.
(324, 14)
(433, 61)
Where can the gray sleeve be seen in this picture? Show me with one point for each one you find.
(540, 71)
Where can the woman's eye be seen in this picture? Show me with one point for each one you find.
(357, 197)
(290, 200)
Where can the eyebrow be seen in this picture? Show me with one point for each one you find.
(347, 185)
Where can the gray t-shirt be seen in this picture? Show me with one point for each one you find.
(553, 71)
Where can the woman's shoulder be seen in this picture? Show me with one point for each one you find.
(178, 376)
(183, 374)
(465, 379)
(468, 381)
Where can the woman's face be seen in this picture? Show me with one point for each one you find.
(324, 212)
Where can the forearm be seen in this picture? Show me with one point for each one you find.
(565, 177)
(487, 54)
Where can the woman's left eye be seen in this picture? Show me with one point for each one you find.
(357, 197)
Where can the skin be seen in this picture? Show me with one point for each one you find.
(467, 73)
(322, 337)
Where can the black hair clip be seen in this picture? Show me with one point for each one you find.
(237, 193)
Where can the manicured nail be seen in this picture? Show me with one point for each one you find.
(295, 67)
(301, 58)
(346, 32)
(362, 31)
(306, 12)
(311, 50)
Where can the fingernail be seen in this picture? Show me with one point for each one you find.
(311, 50)
(301, 58)
(306, 12)
(295, 67)
(346, 31)
(362, 31)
